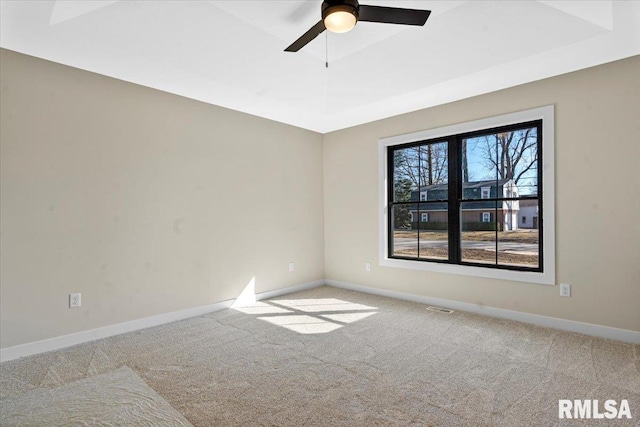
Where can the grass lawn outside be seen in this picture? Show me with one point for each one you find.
(519, 236)
(485, 255)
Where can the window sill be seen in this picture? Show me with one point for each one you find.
(466, 270)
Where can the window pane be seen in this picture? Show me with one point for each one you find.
(433, 169)
(433, 226)
(478, 170)
(517, 159)
(478, 221)
(518, 248)
(507, 162)
(404, 237)
(406, 174)
(520, 245)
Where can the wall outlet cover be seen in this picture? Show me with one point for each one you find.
(75, 300)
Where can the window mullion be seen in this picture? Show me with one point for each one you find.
(455, 191)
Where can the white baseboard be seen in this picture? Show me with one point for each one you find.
(57, 343)
(11, 353)
(536, 319)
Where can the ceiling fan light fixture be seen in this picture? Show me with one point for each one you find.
(340, 18)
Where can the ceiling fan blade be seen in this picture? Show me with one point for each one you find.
(306, 37)
(393, 15)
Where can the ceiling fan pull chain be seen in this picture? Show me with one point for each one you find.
(326, 38)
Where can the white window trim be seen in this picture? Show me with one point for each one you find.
(548, 276)
(424, 217)
(486, 215)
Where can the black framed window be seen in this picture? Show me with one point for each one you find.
(458, 199)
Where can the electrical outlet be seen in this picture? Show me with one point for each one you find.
(291, 266)
(565, 290)
(367, 267)
(74, 300)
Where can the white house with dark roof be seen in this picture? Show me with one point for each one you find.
(478, 211)
(528, 215)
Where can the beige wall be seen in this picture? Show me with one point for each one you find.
(144, 202)
(597, 199)
(147, 203)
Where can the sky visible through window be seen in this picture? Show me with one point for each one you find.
(508, 155)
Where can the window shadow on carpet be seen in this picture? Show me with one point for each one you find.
(309, 316)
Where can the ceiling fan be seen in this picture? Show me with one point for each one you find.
(340, 16)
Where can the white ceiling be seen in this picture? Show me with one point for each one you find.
(230, 53)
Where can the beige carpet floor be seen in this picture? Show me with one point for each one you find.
(323, 357)
(113, 398)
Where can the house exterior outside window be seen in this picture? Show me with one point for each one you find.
(505, 213)
(528, 209)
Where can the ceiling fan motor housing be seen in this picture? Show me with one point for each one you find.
(331, 6)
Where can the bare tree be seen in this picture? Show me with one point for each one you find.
(512, 154)
(422, 165)
(465, 163)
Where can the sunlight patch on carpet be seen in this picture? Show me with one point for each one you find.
(317, 315)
